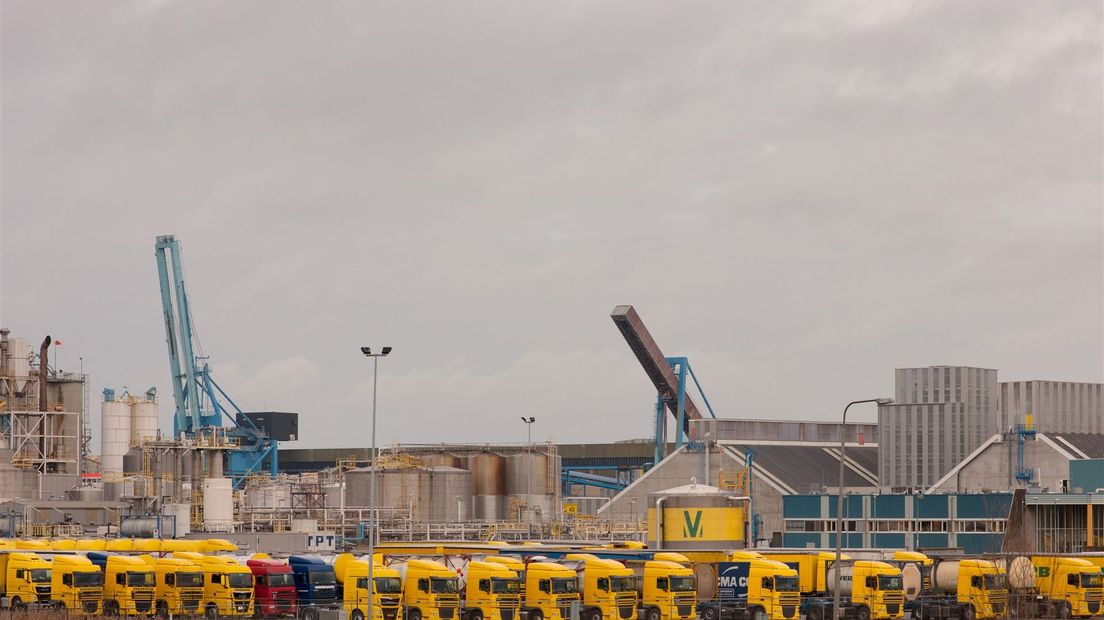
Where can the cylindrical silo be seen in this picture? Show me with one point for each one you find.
(218, 505)
(489, 497)
(395, 488)
(439, 459)
(143, 421)
(532, 480)
(696, 517)
(114, 435)
(20, 360)
(450, 493)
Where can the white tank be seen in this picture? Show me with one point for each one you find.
(183, 514)
(945, 576)
(218, 505)
(1021, 573)
(913, 581)
(20, 356)
(143, 421)
(114, 435)
(845, 580)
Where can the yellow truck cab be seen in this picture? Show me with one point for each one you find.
(431, 590)
(550, 591)
(76, 585)
(179, 586)
(608, 588)
(514, 564)
(968, 589)
(24, 579)
(128, 584)
(870, 590)
(492, 591)
(1073, 586)
(227, 585)
(352, 574)
(667, 589)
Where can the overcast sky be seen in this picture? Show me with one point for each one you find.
(800, 196)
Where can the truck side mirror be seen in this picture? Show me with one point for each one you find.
(120, 579)
(19, 574)
(603, 584)
(872, 583)
(484, 585)
(661, 583)
(170, 579)
(1071, 580)
(975, 582)
(545, 586)
(423, 585)
(768, 583)
(67, 580)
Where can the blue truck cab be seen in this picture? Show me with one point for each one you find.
(315, 585)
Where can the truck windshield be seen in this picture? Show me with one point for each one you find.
(1092, 580)
(387, 585)
(243, 580)
(505, 586)
(189, 580)
(40, 575)
(139, 579)
(623, 584)
(994, 582)
(682, 584)
(564, 585)
(280, 580)
(322, 578)
(785, 584)
(889, 583)
(444, 585)
(87, 580)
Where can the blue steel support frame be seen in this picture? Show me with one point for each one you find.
(682, 368)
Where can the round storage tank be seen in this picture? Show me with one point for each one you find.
(945, 576)
(218, 505)
(114, 435)
(183, 517)
(277, 495)
(143, 421)
(912, 580)
(533, 479)
(1021, 573)
(441, 459)
(395, 488)
(489, 497)
(697, 517)
(447, 484)
(844, 581)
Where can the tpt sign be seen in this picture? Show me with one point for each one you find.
(321, 542)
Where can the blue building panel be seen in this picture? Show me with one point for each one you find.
(887, 507)
(1087, 475)
(980, 542)
(889, 540)
(930, 540)
(852, 506)
(986, 506)
(851, 540)
(801, 507)
(931, 506)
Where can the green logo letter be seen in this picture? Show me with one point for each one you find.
(692, 529)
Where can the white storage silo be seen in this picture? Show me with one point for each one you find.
(20, 359)
(218, 505)
(143, 421)
(114, 433)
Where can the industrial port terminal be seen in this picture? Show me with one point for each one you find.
(706, 495)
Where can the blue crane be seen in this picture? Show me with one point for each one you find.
(201, 405)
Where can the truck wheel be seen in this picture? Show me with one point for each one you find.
(816, 613)
(476, 615)
(709, 612)
(595, 614)
(862, 613)
(653, 614)
(415, 614)
(536, 614)
(969, 613)
(358, 615)
(18, 605)
(310, 613)
(211, 613)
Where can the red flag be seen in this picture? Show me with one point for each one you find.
(57, 343)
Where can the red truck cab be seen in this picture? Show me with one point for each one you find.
(273, 587)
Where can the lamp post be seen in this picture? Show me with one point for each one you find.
(529, 468)
(373, 514)
(839, 502)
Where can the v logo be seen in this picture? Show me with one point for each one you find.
(693, 528)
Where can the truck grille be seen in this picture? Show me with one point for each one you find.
(1094, 596)
(89, 606)
(789, 598)
(684, 610)
(998, 597)
(143, 606)
(509, 602)
(894, 596)
(390, 613)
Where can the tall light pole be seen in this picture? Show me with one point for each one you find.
(529, 467)
(373, 514)
(836, 614)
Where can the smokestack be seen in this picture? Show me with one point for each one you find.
(4, 351)
(43, 371)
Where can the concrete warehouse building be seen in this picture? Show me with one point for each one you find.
(1047, 459)
(941, 414)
